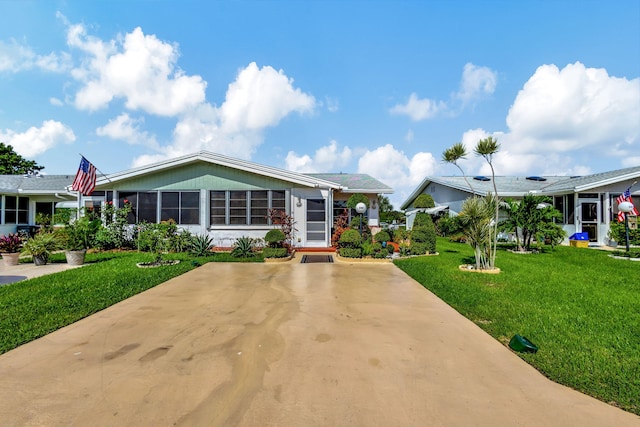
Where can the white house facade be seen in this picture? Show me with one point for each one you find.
(207, 193)
(588, 203)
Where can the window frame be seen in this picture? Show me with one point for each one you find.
(244, 208)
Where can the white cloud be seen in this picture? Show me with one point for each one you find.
(574, 108)
(476, 81)
(127, 129)
(35, 141)
(259, 98)
(395, 169)
(56, 102)
(409, 136)
(16, 57)
(419, 109)
(139, 68)
(326, 159)
(333, 104)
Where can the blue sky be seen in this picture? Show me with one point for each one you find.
(376, 87)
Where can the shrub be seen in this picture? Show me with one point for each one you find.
(201, 245)
(351, 252)
(339, 226)
(390, 249)
(422, 218)
(424, 201)
(447, 226)
(367, 248)
(274, 238)
(244, 247)
(350, 239)
(355, 224)
(400, 235)
(418, 248)
(382, 236)
(424, 235)
(11, 243)
(270, 252)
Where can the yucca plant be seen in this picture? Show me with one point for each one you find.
(201, 245)
(244, 247)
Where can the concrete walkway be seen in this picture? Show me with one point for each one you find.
(284, 345)
(17, 273)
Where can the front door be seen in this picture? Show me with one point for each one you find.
(589, 218)
(316, 222)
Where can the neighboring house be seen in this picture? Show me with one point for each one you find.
(224, 197)
(22, 197)
(588, 203)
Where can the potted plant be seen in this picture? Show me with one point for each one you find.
(10, 246)
(40, 247)
(78, 236)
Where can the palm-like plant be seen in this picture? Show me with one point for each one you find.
(454, 153)
(487, 148)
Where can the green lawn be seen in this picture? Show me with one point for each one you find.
(581, 307)
(36, 307)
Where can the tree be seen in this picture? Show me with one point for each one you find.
(12, 163)
(356, 198)
(387, 214)
(487, 148)
(485, 254)
(532, 217)
(454, 153)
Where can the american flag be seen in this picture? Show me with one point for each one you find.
(626, 197)
(85, 180)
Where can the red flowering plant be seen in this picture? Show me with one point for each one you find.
(11, 243)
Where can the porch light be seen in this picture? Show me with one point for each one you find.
(626, 208)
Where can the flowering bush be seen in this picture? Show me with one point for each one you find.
(11, 243)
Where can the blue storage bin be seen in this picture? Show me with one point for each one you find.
(579, 236)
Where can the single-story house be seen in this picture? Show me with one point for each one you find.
(206, 193)
(588, 203)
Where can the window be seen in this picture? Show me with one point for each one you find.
(259, 207)
(218, 210)
(45, 208)
(16, 210)
(236, 207)
(181, 206)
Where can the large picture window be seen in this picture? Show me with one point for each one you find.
(237, 207)
(181, 206)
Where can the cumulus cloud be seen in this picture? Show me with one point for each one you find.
(418, 109)
(574, 108)
(561, 115)
(259, 98)
(138, 68)
(327, 158)
(476, 82)
(395, 168)
(37, 140)
(16, 57)
(127, 129)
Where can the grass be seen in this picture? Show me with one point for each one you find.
(36, 307)
(581, 307)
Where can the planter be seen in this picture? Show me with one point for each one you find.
(10, 259)
(42, 259)
(75, 257)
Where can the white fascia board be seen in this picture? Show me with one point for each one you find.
(367, 190)
(605, 182)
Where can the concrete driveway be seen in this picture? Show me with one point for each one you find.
(284, 345)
